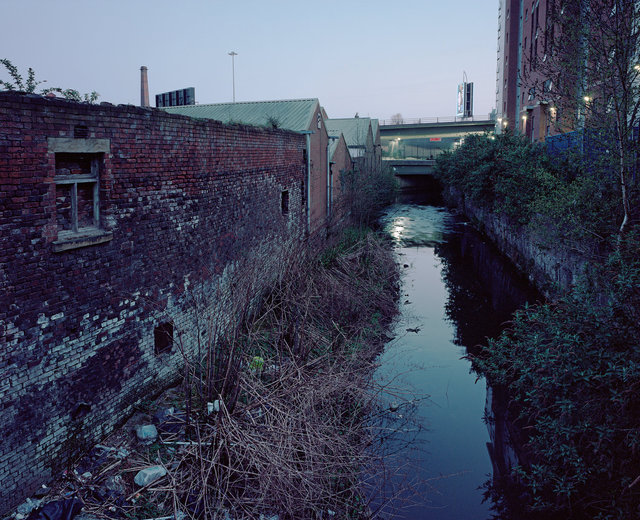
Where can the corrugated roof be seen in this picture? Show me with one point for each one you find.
(289, 114)
(354, 129)
(374, 127)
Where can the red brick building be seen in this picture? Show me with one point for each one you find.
(525, 32)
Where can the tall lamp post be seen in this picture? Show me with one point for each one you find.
(233, 55)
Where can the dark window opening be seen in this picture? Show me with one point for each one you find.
(284, 202)
(77, 189)
(80, 132)
(163, 338)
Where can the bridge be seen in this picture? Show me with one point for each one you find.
(410, 147)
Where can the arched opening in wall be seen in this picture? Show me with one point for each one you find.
(163, 338)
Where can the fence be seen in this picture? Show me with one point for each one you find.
(426, 120)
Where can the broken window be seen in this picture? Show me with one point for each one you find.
(77, 192)
(163, 337)
(284, 202)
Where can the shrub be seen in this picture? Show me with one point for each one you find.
(572, 371)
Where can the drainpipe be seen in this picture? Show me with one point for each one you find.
(308, 208)
(328, 185)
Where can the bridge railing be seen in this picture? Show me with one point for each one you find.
(424, 120)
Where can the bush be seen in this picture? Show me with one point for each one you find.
(572, 371)
(367, 192)
(554, 196)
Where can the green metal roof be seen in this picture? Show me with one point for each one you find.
(374, 127)
(291, 114)
(354, 129)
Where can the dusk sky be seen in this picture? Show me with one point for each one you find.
(367, 56)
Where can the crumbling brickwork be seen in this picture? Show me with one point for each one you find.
(111, 220)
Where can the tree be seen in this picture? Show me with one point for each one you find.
(590, 73)
(17, 83)
(397, 119)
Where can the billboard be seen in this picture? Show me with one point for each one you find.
(176, 98)
(464, 105)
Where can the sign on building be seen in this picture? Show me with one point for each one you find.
(176, 98)
(465, 100)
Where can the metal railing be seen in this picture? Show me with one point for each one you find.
(425, 120)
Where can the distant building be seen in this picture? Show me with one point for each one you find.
(358, 134)
(507, 81)
(340, 164)
(524, 36)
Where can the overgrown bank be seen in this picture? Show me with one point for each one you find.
(274, 418)
(571, 367)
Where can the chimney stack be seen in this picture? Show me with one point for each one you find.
(144, 87)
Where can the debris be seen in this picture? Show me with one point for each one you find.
(146, 476)
(170, 420)
(28, 506)
(58, 510)
(112, 488)
(213, 407)
(42, 491)
(394, 407)
(118, 453)
(147, 433)
(416, 330)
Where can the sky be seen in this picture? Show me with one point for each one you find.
(371, 57)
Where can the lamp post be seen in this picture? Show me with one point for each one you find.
(233, 55)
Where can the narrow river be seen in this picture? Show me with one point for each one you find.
(456, 291)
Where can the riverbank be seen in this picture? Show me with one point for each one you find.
(571, 368)
(272, 420)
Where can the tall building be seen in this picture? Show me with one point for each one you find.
(508, 63)
(523, 46)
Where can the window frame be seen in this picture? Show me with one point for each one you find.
(77, 237)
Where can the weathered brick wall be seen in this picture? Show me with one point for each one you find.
(178, 202)
(340, 164)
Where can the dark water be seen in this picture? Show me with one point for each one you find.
(457, 291)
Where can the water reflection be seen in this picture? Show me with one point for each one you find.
(457, 290)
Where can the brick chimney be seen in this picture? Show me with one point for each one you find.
(144, 87)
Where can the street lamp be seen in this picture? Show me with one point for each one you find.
(233, 55)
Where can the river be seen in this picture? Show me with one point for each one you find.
(457, 290)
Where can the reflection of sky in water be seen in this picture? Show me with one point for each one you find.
(412, 225)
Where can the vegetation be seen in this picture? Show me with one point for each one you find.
(31, 84)
(295, 387)
(571, 368)
(572, 372)
(590, 75)
(562, 199)
(367, 191)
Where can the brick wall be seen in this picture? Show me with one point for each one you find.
(113, 221)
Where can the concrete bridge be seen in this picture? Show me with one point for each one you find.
(412, 173)
(426, 138)
(411, 147)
